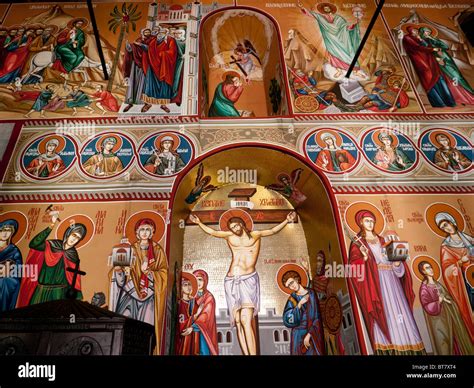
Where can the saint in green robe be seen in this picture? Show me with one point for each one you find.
(224, 98)
(340, 39)
(52, 259)
(449, 67)
(70, 51)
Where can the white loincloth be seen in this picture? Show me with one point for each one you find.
(242, 292)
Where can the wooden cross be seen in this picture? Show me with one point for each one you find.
(261, 216)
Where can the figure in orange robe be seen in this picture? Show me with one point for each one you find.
(456, 255)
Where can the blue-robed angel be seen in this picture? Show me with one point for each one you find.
(302, 316)
(9, 252)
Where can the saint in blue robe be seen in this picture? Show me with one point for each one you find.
(9, 286)
(302, 321)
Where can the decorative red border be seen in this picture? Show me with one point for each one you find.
(383, 116)
(7, 197)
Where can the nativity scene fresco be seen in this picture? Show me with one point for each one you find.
(207, 171)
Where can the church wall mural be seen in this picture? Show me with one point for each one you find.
(228, 185)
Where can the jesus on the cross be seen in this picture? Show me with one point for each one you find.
(242, 284)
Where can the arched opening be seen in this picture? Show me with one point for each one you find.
(241, 66)
(276, 336)
(286, 337)
(249, 178)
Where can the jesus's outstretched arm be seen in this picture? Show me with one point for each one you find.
(209, 230)
(270, 232)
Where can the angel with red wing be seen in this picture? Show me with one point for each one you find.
(201, 185)
(287, 186)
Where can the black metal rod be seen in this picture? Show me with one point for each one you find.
(365, 37)
(97, 38)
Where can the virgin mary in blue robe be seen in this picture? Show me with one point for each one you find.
(9, 285)
(304, 320)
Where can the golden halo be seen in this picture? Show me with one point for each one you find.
(129, 230)
(318, 137)
(176, 140)
(429, 259)
(320, 7)
(232, 73)
(227, 215)
(434, 32)
(77, 219)
(434, 141)
(194, 283)
(117, 145)
(22, 224)
(401, 79)
(72, 21)
(291, 267)
(470, 275)
(376, 140)
(59, 148)
(435, 208)
(354, 208)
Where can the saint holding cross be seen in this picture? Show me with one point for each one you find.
(58, 264)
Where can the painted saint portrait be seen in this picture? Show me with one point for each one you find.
(456, 255)
(332, 151)
(12, 228)
(301, 313)
(49, 157)
(165, 154)
(197, 316)
(448, 332)
(138, 290)
(386, 293)
(54, 257)
(107, 155)
(389, 151)
(446, 150)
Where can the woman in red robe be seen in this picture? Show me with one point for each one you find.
(385, 294)
(48, 164)
(204, 320)
(105, 100)
(17, 53)
(427, 68)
